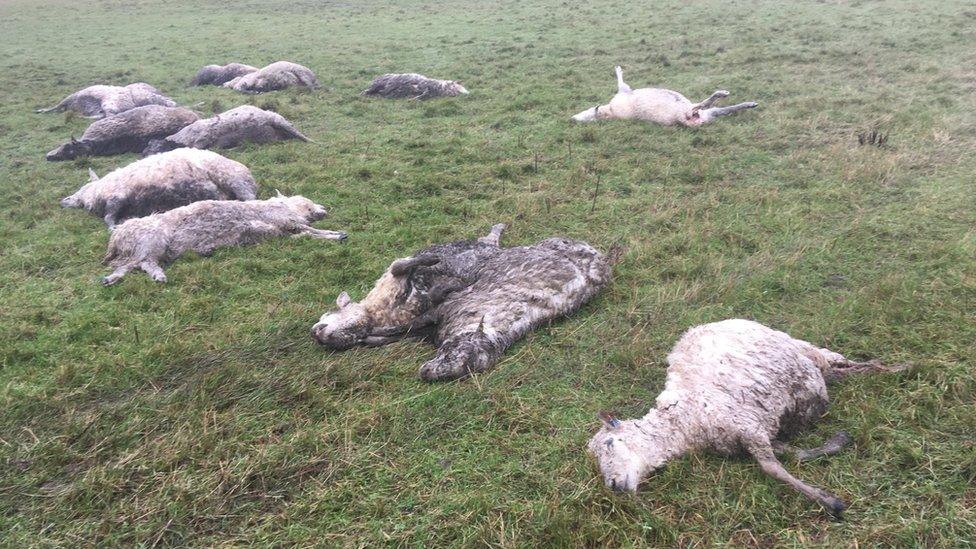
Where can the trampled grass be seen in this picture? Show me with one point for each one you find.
(200, 412)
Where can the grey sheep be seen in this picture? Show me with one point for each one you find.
(148, 243)
(163, 182)
(733, 386)
(230, 129)
(660, 106)
(276, 76)
(217, 75)
(413, 86)
(126, 132)
(473, 298)
(98, 101)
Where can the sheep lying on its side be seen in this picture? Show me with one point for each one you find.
(413, 86)
(217, 75)
(661, 106)
(473, 298)
(163, 182)
(150, 242)
(732, 386)
(229, 129)
(125, 132)
(98, 101)
(276, 76)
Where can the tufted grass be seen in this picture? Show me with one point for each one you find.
(200, 413)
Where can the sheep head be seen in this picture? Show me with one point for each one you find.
(68, 151)
(343, 328)
(625, 453)
(599, 112)
(304, 207)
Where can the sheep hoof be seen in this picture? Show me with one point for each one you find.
(835, 507)
(109, 280)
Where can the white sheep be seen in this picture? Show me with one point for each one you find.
(98, 101)
(150, 242)
(217, 75)
(657, 105)
(276, 76)
(229, 129)
(732, 386)
(163, 182)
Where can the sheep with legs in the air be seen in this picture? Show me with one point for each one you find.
(660, 106)
(733, 386)
(473, 298)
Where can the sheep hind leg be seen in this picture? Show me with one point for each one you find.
(719, 94)
(493, 238)
(153, 270)
(840, 367)
(771, 466)
(832, 446)
(716, 112)
(622, 87)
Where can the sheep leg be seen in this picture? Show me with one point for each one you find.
(719, 94)
(321, 234)
(153, 270)
(112, 209)
(494, 237)
(763, 453)
(460, 356)
(402, 267)
(710, 114)
(840, 367)
(622, 87)
(118, 273)
(834, 445)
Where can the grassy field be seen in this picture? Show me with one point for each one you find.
(199, 412)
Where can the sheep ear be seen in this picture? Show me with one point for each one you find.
(343, 300)
(92, 176)
(608, 419)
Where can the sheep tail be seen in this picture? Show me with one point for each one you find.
(616, 253)
(59, 107)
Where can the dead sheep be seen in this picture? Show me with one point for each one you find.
(230, 129)
(163, 182)
(472, 298)
(126, 132)
(276, 76)
(217, 75)
(149, 243)
(413, 86)
(732, 386)
(99, 101)
(660, 106)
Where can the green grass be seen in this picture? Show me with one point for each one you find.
(200, 412)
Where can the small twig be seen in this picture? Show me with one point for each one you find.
(596, 191)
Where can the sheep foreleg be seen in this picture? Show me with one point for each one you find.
(493, 238)
(772, 467)
(117, 274)
(322, 234)
(833, 446)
